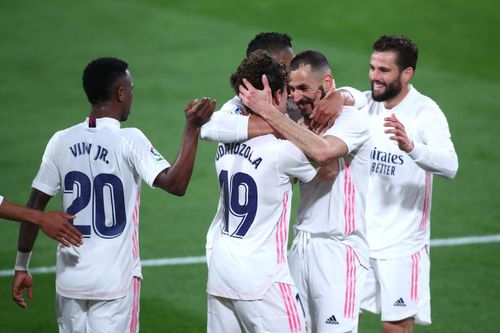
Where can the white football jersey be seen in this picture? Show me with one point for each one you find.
(1, 199)
(98, 171)
(400, 191)
(336, 208)
(247, 241)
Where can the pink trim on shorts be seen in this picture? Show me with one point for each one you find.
(135, 306)
(350, 290)
(282, 232)
(414, 276)
(427, 200)
(349, 195)
(135, 221)
(291, 308)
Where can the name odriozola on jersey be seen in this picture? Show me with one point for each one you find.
(247, 241)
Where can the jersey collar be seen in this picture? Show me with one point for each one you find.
(105, 121)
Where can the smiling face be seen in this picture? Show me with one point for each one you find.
(306, 88)
(389, 84)
(385, 76)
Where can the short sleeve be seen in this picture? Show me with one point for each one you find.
(294, 163)
(48, 179)
(351, 127)
(143, 156)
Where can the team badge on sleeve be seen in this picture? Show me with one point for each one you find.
(156, 154)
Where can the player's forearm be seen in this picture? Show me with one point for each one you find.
(12, 211)
(29, 231)
(176, 179)
(441, 162)
(329, 171)
(313, 145)
(226, 127)
(257, 126)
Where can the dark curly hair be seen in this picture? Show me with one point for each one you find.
(100, 75)
(254, 66)
(272, 42)
(406, 50)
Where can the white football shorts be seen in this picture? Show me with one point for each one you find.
(329, 278)
(399, 288)
(279, 311)
(93, 316)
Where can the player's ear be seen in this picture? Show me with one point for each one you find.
(328, 82)
(277, 97)
(407, 74)
(120, 93)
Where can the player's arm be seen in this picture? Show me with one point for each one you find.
(328, 108)
(437, 155)
(27, 236)
(175, 179)
(322, 150)
(329, 171)
(53, 224)
(228, 127)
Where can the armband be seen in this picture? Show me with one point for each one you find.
(22, 261)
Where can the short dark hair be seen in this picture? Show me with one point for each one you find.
(99, 76)
(272, 42)
(257, 64)
(316, 59)
(407, 51)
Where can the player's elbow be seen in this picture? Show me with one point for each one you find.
(451, 172)
(176, 188)
(452, 169)
(322, 156)
(179, 192)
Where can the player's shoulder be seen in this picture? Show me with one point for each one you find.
(285, 147)
(131, 133)
(425, 104)
(65, 134)
(368, 95)
(352, 115)
(420, 97)
(233, 106)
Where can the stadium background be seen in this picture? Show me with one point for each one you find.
(178, 50)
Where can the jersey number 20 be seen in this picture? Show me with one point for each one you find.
(112, 204)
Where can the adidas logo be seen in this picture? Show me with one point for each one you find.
(332, 320)
(400, 302)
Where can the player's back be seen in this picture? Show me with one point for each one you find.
(249, 251)
(98, 170)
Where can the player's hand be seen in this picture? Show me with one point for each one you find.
(326, 111)
(198, 112)
(259, 101)
(22, 280)
(397, 129)
(56, 226)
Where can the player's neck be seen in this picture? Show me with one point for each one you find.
(103, 110)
